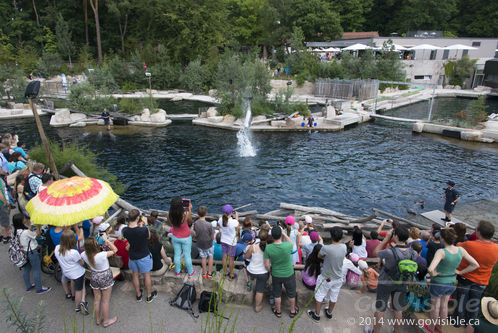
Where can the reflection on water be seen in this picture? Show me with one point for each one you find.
(373, 165)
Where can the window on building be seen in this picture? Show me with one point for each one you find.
(476, 44)
(433, 54)
(422, 77)
(446, 53)
(496, 54)
(464, 53)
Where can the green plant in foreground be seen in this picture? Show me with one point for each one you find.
(17, 318)
(82, 157)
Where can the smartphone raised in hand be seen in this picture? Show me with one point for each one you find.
(186, 204)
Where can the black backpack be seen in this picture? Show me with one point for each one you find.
(185, 298)
(28, 192)
(208, 302)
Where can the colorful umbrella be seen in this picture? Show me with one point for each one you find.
(71, 200)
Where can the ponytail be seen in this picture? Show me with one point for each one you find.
(263, 236)
(225, 219)
(262, 245)
(289, 229)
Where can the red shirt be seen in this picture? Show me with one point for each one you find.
(122, 251)
(182, 232)
(371, 245)
(383, 234)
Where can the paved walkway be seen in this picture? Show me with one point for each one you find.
(350, 313)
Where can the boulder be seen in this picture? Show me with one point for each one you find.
(212, 92)
(228, 119)
(62, 116)
(449, 87)
(28, 107)
(145, 115)
(239, 122)
(158, 117)
(278, 123)
(457, 88)
(418, 127)
(471, 135)
(136, 118)
(10, 105)
(18, 106)
(176, 99)
(212, 112)
(217, 119)
(77, 116)
(78, 124)
(203, 114)
(330, 112)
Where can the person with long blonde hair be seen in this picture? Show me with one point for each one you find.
(101, 280)
(71, 264)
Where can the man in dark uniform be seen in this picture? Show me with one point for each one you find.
(451, 197)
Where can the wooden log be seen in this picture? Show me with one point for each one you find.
(316, 210)
(269, 217)
(327, 226)
(400, 219)
(328, 219)
(365, 219)
(114, 215)
(249, 212)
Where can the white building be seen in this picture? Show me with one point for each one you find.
(428, 65)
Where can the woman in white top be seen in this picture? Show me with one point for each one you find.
(27, 238)
(229, 228)
(101, 280)
(359, 243)
(71, 264)
(257, 268)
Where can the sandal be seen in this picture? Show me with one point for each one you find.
(277, 314)
(296, 311)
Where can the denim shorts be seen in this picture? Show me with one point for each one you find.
(143, 265)
(441, 289)
(206, 253)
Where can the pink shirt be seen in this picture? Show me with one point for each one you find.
(371, 245)
(182, 232)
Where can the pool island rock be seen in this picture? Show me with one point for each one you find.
(329, 120)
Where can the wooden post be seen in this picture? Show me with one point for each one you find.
(44, 139)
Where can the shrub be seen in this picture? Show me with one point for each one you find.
(81, 156)
(27, 58)
(103, 79)
(13, 83)
(478, 110)
(82, 98)
(130, 105)
(49, 64)
(195, 76)
(459, 70)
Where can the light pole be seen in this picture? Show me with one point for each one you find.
(31, 92)
(149, 75)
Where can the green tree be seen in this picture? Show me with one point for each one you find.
(7, 50)
(245, 19)
(27, 57)
(120, 9)
(478, 112)
(82, 98)
(13, 83)
(48, 39)
(389, 66)
(476, 18)
(49, 64)
(64, 42)
(352, 13)
(458, 71)
(316, 18)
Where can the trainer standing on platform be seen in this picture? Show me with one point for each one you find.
(451, 197)
(107, 118)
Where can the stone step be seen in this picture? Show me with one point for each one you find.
(234, 291)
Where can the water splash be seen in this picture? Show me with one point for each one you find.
(244, 136)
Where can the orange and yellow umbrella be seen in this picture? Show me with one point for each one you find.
(72, 200)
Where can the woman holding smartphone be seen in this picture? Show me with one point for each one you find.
(180, 220)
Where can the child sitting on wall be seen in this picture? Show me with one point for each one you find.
(368, 279)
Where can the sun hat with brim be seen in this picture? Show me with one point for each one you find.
(227, 209)
(103, 227)
(97, 220)
(489, 307)
(362, 264)
(308, 219)
(290, 220)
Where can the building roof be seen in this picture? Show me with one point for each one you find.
(360, 34)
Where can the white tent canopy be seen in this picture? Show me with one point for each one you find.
(425, 47)
(397, 48)
(460, 47)
(331, 49)
(357, 47)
